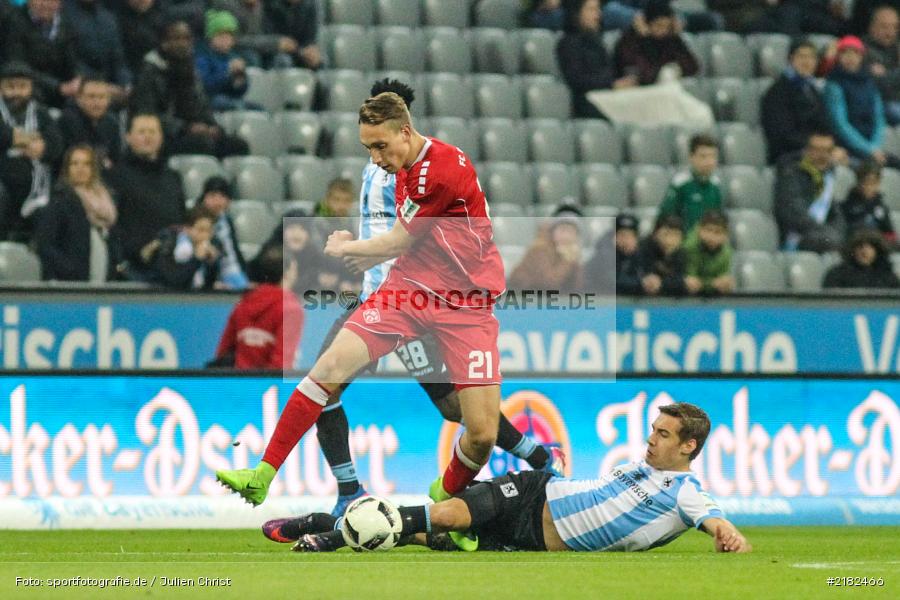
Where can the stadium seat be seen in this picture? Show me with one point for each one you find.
(890, 189)
(344, 90)
(736, 99)
(891, 141)
(546, 98)
(263, 88)
(298, 88)
(300, 131)
(698, 45)
(648, 184)
(259, 131)
(512, 255)
(844, 180)
(447, 51)
(742, 145)
(18, 264)
(258, 180)
(597, 141)
(805, 271)
(446, 13)
(249, 251)
(698, 87)
(402, 49)
(352, 47)
(550, 140)
(610, 39)
(555, 184)
(449, 95)
(253, 221)
(895, 263)
(497, 13)
(500, 209)
(538, 52)
(822, 41)
(646, 216)
(307, 176)
(745, 187)
(498, 96)
(195, 169)
(650, 145)
(603, 185)
(351, 12)
(728, 56)
(496, 50)
(509, 231)
(399, 12)
(760, 272)
(456, 131)
(503, 140)
(279, 209)
(342, 135)
(753, 230)
(771, 51)
(506, 182)
(350, 168)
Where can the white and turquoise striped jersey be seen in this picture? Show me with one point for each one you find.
(378, 211)
(634, 507)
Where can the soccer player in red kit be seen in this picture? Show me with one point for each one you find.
(445, 281)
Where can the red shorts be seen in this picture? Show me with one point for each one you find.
(466, 337)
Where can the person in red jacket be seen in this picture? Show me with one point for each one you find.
(265, 327)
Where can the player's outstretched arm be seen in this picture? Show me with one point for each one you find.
(726, 535)
(387, 245)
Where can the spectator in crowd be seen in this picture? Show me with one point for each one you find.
(855, 106)
(553, 262)
(645, 54)
(89, 122)
(864, 209)
(708, 256)
(98, 45)
(697, 190)
(661, 259)
(76, 236)
(8, 27)
(614, 266)
(298, 20)
(222, 70)
(25, 171)
(257, 38)
(805, 207)
(264, 329)
(168, 86)
(149, 193)
(44, 40)
(544, 14)
(302, 246)
(883, 58)
(190, 11)
(794, 106)
(140, 23)
(866, 264)
(582, 57)
(861, 13)
(216, 197)
(798, 17)
(188, 257)
(622, 14)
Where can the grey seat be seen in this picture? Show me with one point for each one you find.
(257, 180)
(446, 13)
(506, 182)
(499, 209)
(503, 140)
(698, 87)
(345, 91)
(746, 187)
(728, 56)
(352, 47)
(890, 188)
(350, 168)
(804, 270)
(550, 140)
(282, 208)
(259, 131)
(513, 231)
(450, 95)
(496, 50)
(597, 141)
(844, 180)
(891, 141)
(300, 131)
(603, 185)
(457, 131)
(447, 51)
(538, 52)
(498, 96)
(512, 256)
(760, 272)
(263, 88)
(547, 98)
(736, 99)
(771, 51)
(253, 221)
(298, 88)
(351, 12)
(307, 176)
(497, 13)
(18, 264)
(646, 216)
(555, 183)
(402, 49)
(650, 145)
(742, 145)
(342, 134)
(195, 169)
(399, 12)
(249, 251)
(648, 184)
(753, 230)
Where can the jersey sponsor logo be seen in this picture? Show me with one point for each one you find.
(509, 490)
(667, 482)
(409, 209)
(633, 486)
(371, 316)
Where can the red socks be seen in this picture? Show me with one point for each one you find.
(300, 413)
(460, 472)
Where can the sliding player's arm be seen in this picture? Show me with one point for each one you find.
(388, 245)
(726, 535)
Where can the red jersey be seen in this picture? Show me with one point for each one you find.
(452, 257)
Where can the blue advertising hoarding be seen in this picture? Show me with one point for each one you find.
(128, 451)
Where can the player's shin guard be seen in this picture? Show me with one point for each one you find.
(300, 413)
(460, 472)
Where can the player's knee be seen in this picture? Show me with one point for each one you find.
(449, 410)
(482, 442)
(329, 368)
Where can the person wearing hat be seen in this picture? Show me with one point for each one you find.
(613, 268)
(645, 52)
(98, 45)
(855, 106)
(222, 70)
(216, 197)
(661, 259)
(25, 170)
(866, 264)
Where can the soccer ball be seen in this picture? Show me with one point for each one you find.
(371, 523)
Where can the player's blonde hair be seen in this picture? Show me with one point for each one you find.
(386, 107)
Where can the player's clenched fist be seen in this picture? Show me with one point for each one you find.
(334, 246)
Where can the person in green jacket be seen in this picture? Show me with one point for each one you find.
(708, 256)
(698, 190)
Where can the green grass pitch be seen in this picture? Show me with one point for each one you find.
(786, 563)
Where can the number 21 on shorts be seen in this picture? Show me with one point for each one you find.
(481, 365)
